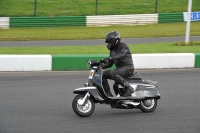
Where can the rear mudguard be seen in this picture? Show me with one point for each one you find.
(92, 90)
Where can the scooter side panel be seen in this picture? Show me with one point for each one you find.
(148, 91)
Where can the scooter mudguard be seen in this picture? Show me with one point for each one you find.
(92, 90)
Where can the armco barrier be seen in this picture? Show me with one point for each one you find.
(170, 17)
(79, 62)
(133, 19)
(99, 20)
(4, 22)
(47, 21)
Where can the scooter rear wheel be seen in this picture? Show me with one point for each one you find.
(148, 105)
(83, 110)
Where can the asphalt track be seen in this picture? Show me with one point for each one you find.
(94, 42)
(40, 102)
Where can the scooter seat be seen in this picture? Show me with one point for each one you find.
(135, 76)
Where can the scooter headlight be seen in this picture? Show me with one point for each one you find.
(89, 63)
(92, 63)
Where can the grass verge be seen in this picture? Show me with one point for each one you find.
(88, 7)
(135, 49)
(79, 33)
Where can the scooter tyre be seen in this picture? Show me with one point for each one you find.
(77, 109)
(147, 108)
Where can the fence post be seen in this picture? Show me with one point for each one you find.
(187, 33)
(96, 13)
(156, 7)
(35, 5)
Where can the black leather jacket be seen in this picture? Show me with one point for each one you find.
(120, 56)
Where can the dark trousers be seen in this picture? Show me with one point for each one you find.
(118, 75)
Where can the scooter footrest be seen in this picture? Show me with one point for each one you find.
(128, 98)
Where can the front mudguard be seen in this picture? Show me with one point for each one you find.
(92, 90)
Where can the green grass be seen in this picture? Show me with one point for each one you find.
(16, 8)
(20, 8)
(67, 33)
(135, 49)
(78, 33)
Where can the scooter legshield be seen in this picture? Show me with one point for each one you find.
(92, 90)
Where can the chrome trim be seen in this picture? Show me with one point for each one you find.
(85, 88)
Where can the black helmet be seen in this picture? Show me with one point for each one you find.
(111, 38)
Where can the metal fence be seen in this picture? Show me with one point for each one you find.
(29, 8)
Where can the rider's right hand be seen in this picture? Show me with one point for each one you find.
(101, 61)
(105, 60)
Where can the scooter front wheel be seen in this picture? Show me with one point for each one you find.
(83, 110)
(148, 105)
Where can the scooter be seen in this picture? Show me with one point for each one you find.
(145, 94)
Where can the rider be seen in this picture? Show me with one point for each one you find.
(121, 57)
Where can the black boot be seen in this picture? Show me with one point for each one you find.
(128, 90)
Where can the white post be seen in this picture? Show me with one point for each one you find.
(187, 34)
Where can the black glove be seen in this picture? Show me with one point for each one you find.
(105, 60)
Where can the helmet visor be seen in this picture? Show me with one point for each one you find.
(108, 41)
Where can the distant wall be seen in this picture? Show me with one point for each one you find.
(25, 62)
(79, 62)
(171, 60)
(197, 60)
(73, 62)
